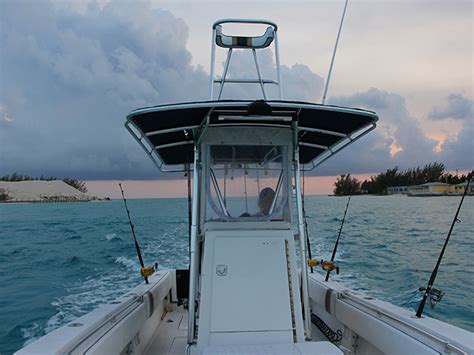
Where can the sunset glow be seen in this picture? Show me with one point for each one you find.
(314, 185)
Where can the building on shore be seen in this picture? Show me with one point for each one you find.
(459, 188)
(397, 190)
(440, 189)
(430, 189)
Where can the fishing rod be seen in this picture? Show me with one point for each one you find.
(434, 294)
(308, 243)
(145, 271)
(188, 175)
(330, 265)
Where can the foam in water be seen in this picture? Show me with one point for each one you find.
(128, 263)
(85, 296)
(112, 236)
(32, 333)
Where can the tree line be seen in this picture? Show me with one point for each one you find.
(433, 172)
(77, 184)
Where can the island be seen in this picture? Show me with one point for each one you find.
(430, 180)
(16, 188)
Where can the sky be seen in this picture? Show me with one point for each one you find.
(71, 71)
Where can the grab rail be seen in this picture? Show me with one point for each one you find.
(242, 20)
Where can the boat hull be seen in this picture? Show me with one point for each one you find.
(148, 320)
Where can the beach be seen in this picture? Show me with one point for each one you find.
(42, 191)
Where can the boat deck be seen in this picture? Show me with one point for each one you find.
(171, 335)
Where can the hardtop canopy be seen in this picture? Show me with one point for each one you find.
(168, 133)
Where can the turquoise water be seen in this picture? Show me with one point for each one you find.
(59, 261)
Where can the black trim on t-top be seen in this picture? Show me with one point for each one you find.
(321, 126)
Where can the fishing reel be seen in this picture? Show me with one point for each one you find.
(147, 271)
(325, 265)
(434, 294)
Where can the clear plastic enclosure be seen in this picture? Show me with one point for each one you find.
(247, 183)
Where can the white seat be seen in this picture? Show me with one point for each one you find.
(307, 348)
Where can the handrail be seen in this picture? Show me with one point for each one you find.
(356, 301)
(277, 192)
(218, 192)
(249, 21)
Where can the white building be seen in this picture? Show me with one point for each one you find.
(393, 190)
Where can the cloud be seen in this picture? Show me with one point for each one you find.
(458, 107)
(73, 76)
(69, 78)
(299, 82)
(395, 127)
(457, 152)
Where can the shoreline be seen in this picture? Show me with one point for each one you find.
(42, 191)
(61, 200)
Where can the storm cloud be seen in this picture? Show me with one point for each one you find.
(69, 78)
(459, 150)
(457, 107)
(396, 129)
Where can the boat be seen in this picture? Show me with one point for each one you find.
(249, 288)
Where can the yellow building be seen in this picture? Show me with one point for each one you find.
(430, 189)
(459, 188)
(440, 189)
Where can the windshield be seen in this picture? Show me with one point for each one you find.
(246, 182)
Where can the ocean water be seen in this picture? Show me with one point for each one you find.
(60, 261)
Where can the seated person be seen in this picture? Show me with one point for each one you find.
(265, 199)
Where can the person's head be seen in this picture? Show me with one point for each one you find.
(265, 199)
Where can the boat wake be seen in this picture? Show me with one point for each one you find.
(85, 296)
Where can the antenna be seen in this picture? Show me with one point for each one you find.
(326, 85)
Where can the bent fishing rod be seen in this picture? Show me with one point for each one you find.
(145, 271)
(331, 262)
(429, 291)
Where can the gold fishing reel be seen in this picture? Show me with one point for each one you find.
(147, 271)
(313, 262)
(325, 265)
